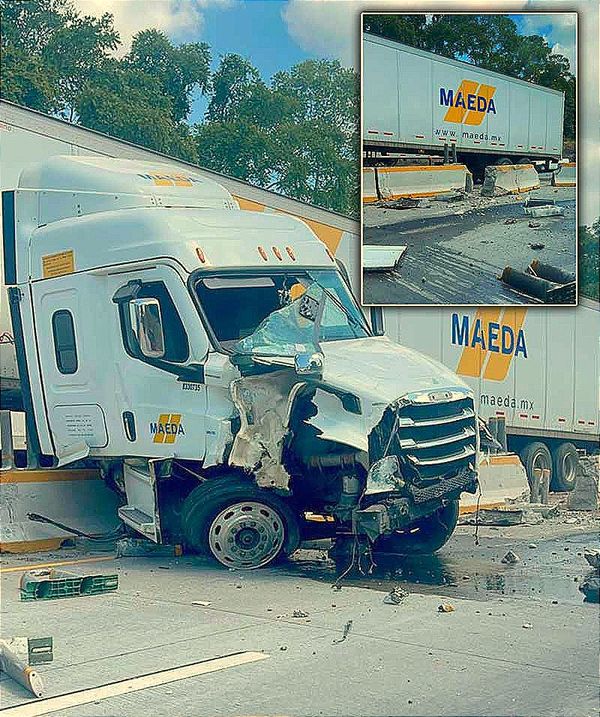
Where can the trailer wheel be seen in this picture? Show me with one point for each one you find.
(564, 466)
(503, 160)
(239, 524)
(524, 160)
(424, 536)
(536, 456)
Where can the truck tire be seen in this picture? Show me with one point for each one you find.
(564, 466)
(535, 455)
(431, 533)
(238, 524)
(503, 160)
(523, 160)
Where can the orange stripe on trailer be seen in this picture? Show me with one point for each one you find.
(43, 476)
(249, 206)
(499, 363)
(473, 357)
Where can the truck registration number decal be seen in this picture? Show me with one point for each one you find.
(58, 264)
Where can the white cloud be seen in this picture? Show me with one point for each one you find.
(560, 37)
(179, 19)
(331, 28)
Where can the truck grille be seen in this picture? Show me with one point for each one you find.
(435, 432)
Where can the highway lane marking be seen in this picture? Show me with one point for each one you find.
(133, 684)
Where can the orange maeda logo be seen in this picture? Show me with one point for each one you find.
(491, 339)
(469, 104)
(167, 428)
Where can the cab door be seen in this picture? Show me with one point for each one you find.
(105, 399)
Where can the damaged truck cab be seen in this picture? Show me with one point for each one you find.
(214, 365)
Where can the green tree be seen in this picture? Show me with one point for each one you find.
(179, 70)
(131, 105)
(589, 263)
(50, 37)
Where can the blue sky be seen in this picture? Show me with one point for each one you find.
(276, 34)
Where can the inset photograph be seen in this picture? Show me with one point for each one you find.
(469, 159)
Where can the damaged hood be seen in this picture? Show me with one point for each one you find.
(382, 371)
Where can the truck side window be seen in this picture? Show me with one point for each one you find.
(177, 348)
(65, 349)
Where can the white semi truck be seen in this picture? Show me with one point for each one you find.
(213, 364)
(418, 102)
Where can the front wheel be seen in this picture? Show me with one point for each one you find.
(239, 524)
(424, 536)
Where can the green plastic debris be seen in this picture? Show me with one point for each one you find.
(50, 584)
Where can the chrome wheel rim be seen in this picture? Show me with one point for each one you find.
(246, 535)
(540, 461)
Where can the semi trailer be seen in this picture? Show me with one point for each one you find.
(418, 103)
(534, 368)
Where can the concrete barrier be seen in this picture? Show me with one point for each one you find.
(565, 175)
(420, 181)
(369, 186)
(76, 498)
(501, 477)
(509, 179)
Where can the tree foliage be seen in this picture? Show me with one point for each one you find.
(589, 262)
(489, 41)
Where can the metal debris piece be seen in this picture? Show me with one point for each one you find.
(201, 603)
(446, 607)
(381, 258)
(527, 625)
(395, 596)
(140, 547)
(548, 210)
(590, 587)
(537, 245)
(16, 661)
(347, 628)
(510, 558)
(592, 555)
(299, 613)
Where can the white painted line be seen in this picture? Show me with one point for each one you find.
(134, 684)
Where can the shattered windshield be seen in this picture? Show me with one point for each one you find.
(280, 314)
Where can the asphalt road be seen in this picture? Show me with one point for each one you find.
(455, 254)
(520, 640)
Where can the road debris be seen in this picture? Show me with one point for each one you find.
(18, 654)
(299, 613)
(592, 555)
(52, 584)
(142, 548)
(534, 225)
(395, 596)
(201, 603)
(510, 558)
(549, 210)
(590, 587)
(537, 245)
(446, 607)
(527, 625)
(346, 632)
(585, 494)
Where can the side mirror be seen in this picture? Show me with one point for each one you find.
(309, 364)
(146, 324)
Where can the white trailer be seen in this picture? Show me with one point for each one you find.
(535, 368)
(417, 101)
